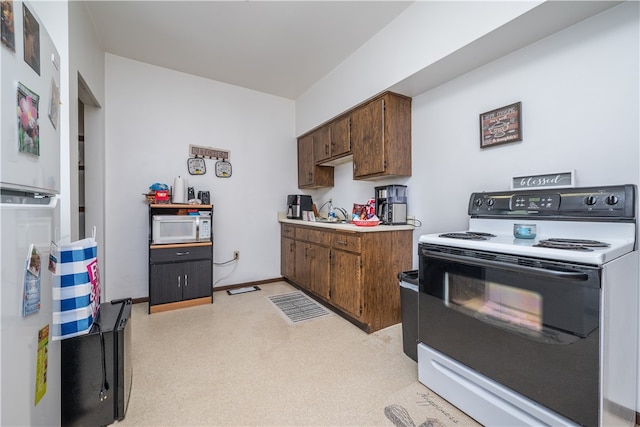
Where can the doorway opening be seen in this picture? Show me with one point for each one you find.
(90, 178)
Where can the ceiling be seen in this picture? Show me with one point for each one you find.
(277, 47)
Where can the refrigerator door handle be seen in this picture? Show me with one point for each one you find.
(26, 202)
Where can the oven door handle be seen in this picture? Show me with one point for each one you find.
(544, 272)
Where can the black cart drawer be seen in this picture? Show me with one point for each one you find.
(179, 254)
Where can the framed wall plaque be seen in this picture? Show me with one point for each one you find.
(501, 126)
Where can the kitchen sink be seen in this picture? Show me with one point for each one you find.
(326, 221)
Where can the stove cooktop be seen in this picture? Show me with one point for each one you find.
(587, 243)
(469, 235)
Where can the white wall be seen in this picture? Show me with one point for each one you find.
(153, 115)
(579, 93)
(580, 104)
(423, 34)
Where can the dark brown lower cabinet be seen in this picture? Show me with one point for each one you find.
(346, 282)
(353, 272)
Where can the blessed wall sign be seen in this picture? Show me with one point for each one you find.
(552, 180)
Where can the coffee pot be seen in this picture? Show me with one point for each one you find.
(204, 197)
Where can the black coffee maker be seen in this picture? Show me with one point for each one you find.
(391, 204)
(297, 204)
(204, 197)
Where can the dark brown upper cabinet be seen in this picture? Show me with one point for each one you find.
(381, 137)
(310, 175)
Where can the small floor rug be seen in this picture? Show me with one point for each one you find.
(418, 406)
(296, 307)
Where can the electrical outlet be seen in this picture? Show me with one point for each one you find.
(236, 255)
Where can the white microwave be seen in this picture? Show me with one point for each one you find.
(180, 229)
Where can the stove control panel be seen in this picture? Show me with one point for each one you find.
(535, 203)
(588, 202)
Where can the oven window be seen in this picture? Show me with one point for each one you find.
(494, 302)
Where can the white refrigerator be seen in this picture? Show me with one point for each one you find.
(29, 218)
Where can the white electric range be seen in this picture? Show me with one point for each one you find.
(529, 317)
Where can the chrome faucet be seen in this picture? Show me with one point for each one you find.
(344, 213)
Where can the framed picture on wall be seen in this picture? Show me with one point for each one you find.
(501, 126)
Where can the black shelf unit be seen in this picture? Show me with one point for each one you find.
(180, 274)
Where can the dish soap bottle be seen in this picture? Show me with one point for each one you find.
(332, 213)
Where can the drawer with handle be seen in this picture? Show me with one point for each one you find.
(288, 231)
(346, 242)
(320, 237)
(179, 254)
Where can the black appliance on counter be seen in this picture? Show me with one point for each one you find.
(297, 204)
(96, 369)
(205, 197)
(391, 204)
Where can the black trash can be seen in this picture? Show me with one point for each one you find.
(409, 308)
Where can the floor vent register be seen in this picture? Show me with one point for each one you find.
(296, 307)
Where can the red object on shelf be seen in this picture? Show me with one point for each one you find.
(162, 195)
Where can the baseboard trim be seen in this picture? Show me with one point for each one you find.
(180, 304)
(226, 287)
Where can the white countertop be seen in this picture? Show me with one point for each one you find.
(282, 217)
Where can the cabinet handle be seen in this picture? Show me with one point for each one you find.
(178, 281)
(341, 242)
(186, 280)
(182, 253)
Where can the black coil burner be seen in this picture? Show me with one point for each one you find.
(468, 235)
(571, 244)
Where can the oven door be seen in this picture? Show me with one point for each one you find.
(531, 325)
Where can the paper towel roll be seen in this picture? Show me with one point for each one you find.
(178, 191)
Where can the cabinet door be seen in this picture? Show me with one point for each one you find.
(319, 269)
(341, 136)
(305, 161)
(310, 175)
(322, 144)
(165, 283)
(288, 258)
(197, 281)
(367, 139)
(302, 269)
(346, 282)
